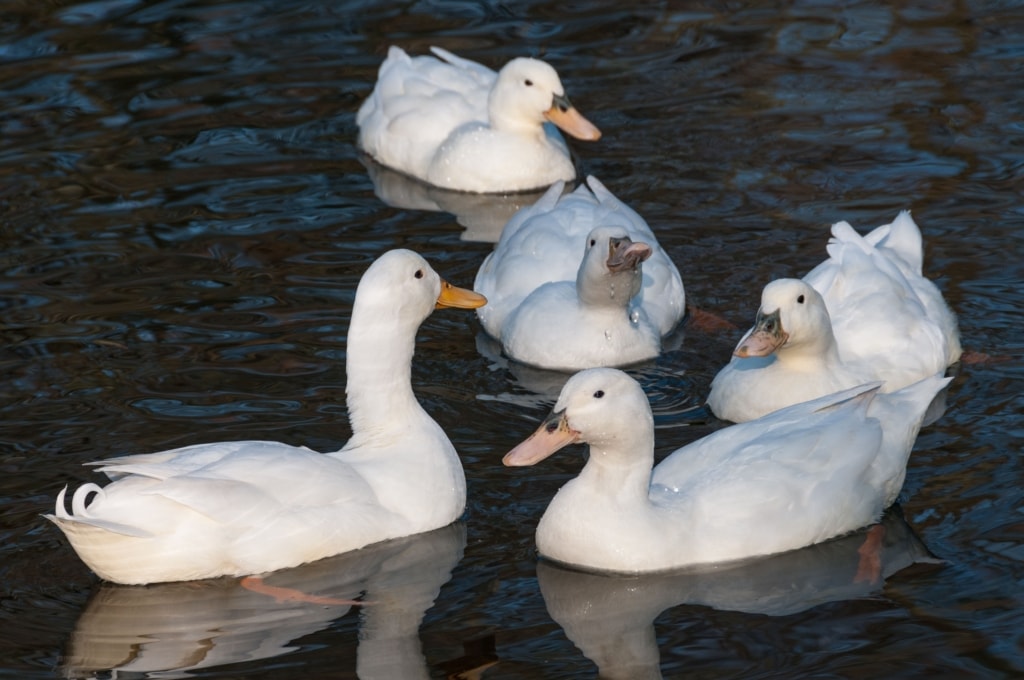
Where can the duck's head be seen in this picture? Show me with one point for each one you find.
(528, 92)
(610, 272)
(403, 282)
(598, 406)
(792, 316)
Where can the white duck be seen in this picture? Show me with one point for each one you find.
(789, 356)
(877, 318)
(247, 507)
(571, 325)
(884, 311)
(456, 124)
(797, 477)
(545, 242)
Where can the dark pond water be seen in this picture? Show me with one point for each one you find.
(185, 217)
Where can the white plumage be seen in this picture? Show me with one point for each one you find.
(883, 309)
(864, 314)
(458, 125)
(590, 321)
(546, 242)
(248, 507)
(796, 477)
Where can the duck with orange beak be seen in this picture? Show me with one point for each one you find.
(458, 125)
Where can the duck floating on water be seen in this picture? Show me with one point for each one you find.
(864, 314)
(248, 507)
(799, 476)
(546, 242)
(456, 124)
(789, 356)
(589, 322)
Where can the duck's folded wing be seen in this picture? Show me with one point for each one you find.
(186, 459)
(799, 439)
(483, 75)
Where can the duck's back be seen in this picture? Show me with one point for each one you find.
(417, 103)
(902, 241)
(222, 509)
(879, 318)
(530, 253)
(795, 477)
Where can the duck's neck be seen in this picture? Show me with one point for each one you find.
(612, 292)
(527, 130)
(503, 115)
(378, 367)
(821, 353)
(622, 477)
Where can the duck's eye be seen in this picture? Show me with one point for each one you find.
(598, 394)
(419, 274)
(800, 299)
(528, 82)
(593, 242)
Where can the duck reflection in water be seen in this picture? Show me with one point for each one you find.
(611, 618)
(175, 629)
(482, 215)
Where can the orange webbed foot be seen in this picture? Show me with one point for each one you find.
(869, 568)
(280, 594)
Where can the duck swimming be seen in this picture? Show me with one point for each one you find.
(571, 325)
(793, 478)
(456, 124)
(247, 507)
(790, 355)
(866, 313)
(546, 242)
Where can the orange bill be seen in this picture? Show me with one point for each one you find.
(460, 298)
(553, 434)
(563, 114)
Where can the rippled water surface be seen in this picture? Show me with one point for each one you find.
(184, 220)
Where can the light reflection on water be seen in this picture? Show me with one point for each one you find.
(184, 219)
